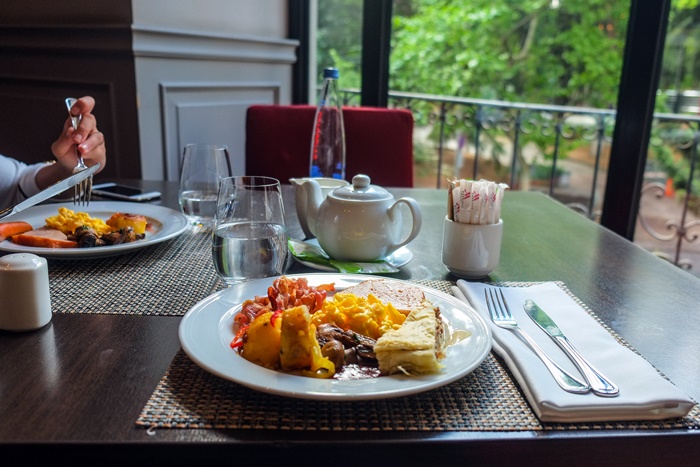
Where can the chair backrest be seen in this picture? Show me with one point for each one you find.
(378, 143)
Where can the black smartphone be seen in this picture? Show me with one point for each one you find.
(124, 192)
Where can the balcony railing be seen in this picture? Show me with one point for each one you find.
(562, 151)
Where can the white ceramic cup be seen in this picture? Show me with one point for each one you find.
(471, 251)
(327, 185)
(24, 292)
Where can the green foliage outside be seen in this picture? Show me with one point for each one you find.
(521, 51)
(339, 38)
(563, 52)
(532, 51)
(681, 67)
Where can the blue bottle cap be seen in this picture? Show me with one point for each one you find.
(330, 73)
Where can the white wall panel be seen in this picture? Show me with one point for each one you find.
(261, 18)
(213, 76)
(209, 113)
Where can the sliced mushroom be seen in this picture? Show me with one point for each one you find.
(348, 338)
(363, 345)
(128, 234)
(366, 352)
(113, 238)
(87, 240)
(335, 352)
(84, 230)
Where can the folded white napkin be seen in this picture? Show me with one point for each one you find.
(644, 393)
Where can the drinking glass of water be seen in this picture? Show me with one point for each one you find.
(203, 166)
(250, 236)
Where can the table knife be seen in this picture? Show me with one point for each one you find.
(600, 385)
(53, 190)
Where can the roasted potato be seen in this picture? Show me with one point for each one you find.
(262, 344)
(299, 349)
(121, 220)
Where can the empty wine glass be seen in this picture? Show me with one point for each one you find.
(250, 236)
(203, 166)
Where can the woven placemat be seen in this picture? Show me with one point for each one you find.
(163, 279)
(189, 397)
(487, 399)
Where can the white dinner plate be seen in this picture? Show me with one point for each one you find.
(206, 332)
(164, 224)
(399, 258)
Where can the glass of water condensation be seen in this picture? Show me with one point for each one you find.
(250, 236)
(203, 167)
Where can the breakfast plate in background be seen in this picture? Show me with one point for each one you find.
(163, 224)
(206, 332)
(310, 254)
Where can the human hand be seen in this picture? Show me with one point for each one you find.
(86, 139)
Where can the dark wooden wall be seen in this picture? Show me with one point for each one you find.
(50, 50)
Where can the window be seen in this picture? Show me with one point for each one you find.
(534, 91)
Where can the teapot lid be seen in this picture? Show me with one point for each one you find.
(360, 190)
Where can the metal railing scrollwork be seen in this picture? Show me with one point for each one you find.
(683, 134)
(499, 138)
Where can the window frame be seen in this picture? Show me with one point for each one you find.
(641, 69)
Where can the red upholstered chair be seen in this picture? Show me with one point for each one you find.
(378, 142)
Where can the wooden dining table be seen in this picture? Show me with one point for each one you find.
(75, 390)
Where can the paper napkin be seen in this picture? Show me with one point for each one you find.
(314, 254)
(644, 393)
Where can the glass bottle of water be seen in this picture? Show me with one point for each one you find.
(328, 136)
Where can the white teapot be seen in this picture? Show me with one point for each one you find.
(327, 185)
(358, 222)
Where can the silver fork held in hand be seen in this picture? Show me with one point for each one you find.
(502, 317)
(82, 191)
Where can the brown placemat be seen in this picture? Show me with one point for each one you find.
(487, 399)
(167, 278)
(189, 397)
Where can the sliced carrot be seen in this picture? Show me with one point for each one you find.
(8, 229)
(43, 242)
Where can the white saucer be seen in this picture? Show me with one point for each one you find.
(397, 259)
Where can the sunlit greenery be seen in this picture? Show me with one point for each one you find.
(564, 52)
(526, 51)
(544, 51)
(339, 38)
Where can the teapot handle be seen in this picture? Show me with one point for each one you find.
(413, 206)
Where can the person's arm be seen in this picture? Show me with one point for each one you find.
(86, 139)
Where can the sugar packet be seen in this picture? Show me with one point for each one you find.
(475, 202)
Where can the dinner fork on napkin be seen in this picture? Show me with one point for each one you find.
(644, 393)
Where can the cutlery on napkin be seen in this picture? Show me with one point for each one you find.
(644, 393)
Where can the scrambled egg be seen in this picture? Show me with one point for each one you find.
(67, 221)
(366, 316)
